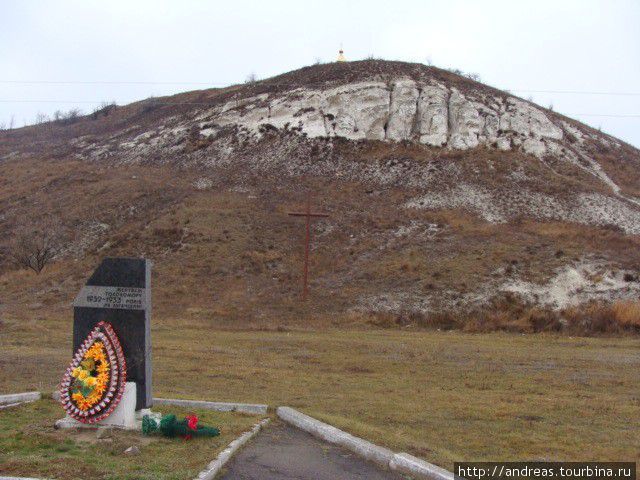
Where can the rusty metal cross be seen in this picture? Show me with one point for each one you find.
(307, 244)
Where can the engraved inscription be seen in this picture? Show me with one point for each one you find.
(125, 298)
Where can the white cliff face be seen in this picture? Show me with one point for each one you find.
(402, 109)
(464, 121)
(433, 116)
(403, 100)
(524, 119)
(357, 111)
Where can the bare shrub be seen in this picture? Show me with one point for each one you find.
(446, 320)
(35, 248)
(104, 109)
(383, 319)
(590, 318)
(150, 104)
(509, 313)
(41, 118)
(67, 118)
(543, 320)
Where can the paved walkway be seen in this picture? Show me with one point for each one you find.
(282, 452)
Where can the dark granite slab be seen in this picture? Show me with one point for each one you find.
(119, 292)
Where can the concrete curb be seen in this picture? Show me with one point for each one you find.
(380, 455)
(10, 405)
(405, 463)
(20, 478)
(254, 409)
(214, 467)
(400, 462)
(14, 398)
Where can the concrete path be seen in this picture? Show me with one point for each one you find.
(282, 452)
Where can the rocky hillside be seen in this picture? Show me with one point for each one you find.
(444, 194)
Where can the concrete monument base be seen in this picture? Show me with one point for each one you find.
(124, 416)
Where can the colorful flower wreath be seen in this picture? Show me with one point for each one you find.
(94, 383)
(91, 377)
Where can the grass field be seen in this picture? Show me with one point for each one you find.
(443, 396)
(29, 446)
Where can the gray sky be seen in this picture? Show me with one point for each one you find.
(558, 45)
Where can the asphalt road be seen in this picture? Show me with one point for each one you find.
(281, 452)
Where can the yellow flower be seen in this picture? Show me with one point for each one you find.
(103, 377)
(95, 351)
(83, 404)
(75, 372)
(96, 354)
(103, 367)
(91, 381)
(83, 374)
(93, 399)
(77, 397)
(99, 389)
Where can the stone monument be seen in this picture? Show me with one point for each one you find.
(113, 309)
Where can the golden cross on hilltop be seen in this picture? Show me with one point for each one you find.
(341, 57)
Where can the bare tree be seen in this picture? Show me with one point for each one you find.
(34, 249)
(12, 121)
(41, 118)
(251, 78)
(73, 115)
(104, 109)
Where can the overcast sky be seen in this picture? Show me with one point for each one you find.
(523, 46)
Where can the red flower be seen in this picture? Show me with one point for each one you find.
(192, 422)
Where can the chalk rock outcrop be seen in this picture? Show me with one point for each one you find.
(433, 116)
(403, 99)
(465, 121)
(401, 109)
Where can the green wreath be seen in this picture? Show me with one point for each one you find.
(169, 426)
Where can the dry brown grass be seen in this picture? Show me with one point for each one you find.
(627, 313)
(507, 314)
(433, 394)
(597, 317)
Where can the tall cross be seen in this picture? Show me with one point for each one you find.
(309, 215)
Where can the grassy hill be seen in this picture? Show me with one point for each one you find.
(480, 238)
